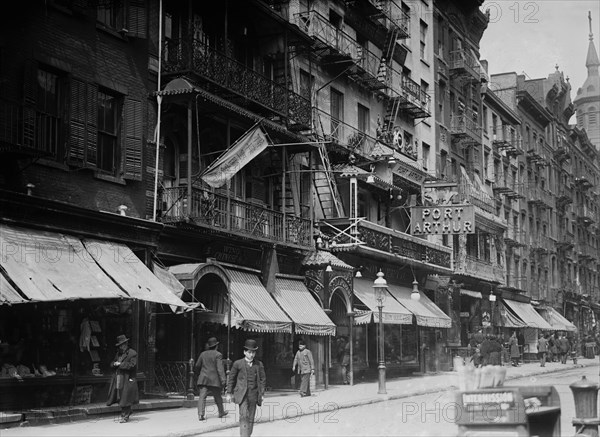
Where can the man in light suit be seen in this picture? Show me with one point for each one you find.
(247, 382)
(211, 379)
(305, 364)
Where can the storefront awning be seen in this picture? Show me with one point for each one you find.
(8, 295)
(471, 293)
(48, 266)
(130, 273)
(176, 287)
(299, 304)
(509, 319)
(426, 312)
(255, 307)
(528, 314)
(362, 317)
(393, 312)
(556, 320)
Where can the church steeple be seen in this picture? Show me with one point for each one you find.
(592, 62)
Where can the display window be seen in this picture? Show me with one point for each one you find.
(43, 340)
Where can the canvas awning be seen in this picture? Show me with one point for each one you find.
(556, 320)
(426, 312)
(471, 293)
(508, 318)
(362, 317)
(528, 314)
(176, 287)
(393, 312)
(130, 273)
(48, 266)
(8, 294)
(254, 308)
(299, 304)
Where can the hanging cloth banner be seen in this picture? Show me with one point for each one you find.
(244, 150)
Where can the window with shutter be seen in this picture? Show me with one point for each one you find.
(133, 139)
(137, 19)
(83, 136)
(43, 106)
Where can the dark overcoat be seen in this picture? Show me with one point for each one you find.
(128, 395)
(237, 383)
(210, 366)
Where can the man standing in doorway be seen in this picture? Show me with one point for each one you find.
(305, 364)
(211, 379)
(247, 382)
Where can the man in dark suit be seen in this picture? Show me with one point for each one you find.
(247, 381)
(123, 385)
(211, 378)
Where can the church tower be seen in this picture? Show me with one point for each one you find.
(587, 102)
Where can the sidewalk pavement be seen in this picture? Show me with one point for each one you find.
(174, 421)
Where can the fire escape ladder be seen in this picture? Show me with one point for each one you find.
(326, 188)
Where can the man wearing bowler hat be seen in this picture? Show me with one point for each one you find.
(247, 381)
(123, 386)
(211, 378)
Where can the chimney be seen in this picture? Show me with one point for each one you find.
(122, 210)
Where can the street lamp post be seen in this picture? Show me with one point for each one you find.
(380, 287)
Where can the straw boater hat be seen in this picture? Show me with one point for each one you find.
(251, 345)
(121, 339)
(212, 342)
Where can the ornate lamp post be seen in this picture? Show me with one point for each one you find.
(380, 287)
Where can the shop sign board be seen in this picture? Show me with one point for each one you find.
(442, 220)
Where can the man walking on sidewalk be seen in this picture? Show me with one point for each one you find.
(542, 350)
(305, 364)
(211, 379)
(247, 382)
(563, 348)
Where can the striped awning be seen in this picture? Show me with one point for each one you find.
(254, 308)
(426, 312)
(304, 310)
(392, 313)
(528, 314)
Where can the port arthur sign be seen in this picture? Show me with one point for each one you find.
(442, 219)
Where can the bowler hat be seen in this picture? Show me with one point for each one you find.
(250, 345)
(121, 339)
(212, 342)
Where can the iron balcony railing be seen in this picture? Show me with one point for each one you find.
(485, 270)
(191, 55)
(465, 125)
(586, 214)
(390, 241)
(464, 61)
(320, 28)
(232, 215)
(539, 196)
(25, 127)
(343, 134)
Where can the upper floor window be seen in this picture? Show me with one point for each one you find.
(363, 118)
(49, 104)
(108, 113)
(112, 15)
(423, 39)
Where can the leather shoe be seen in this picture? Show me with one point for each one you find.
(201, 418)
(224, 414)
